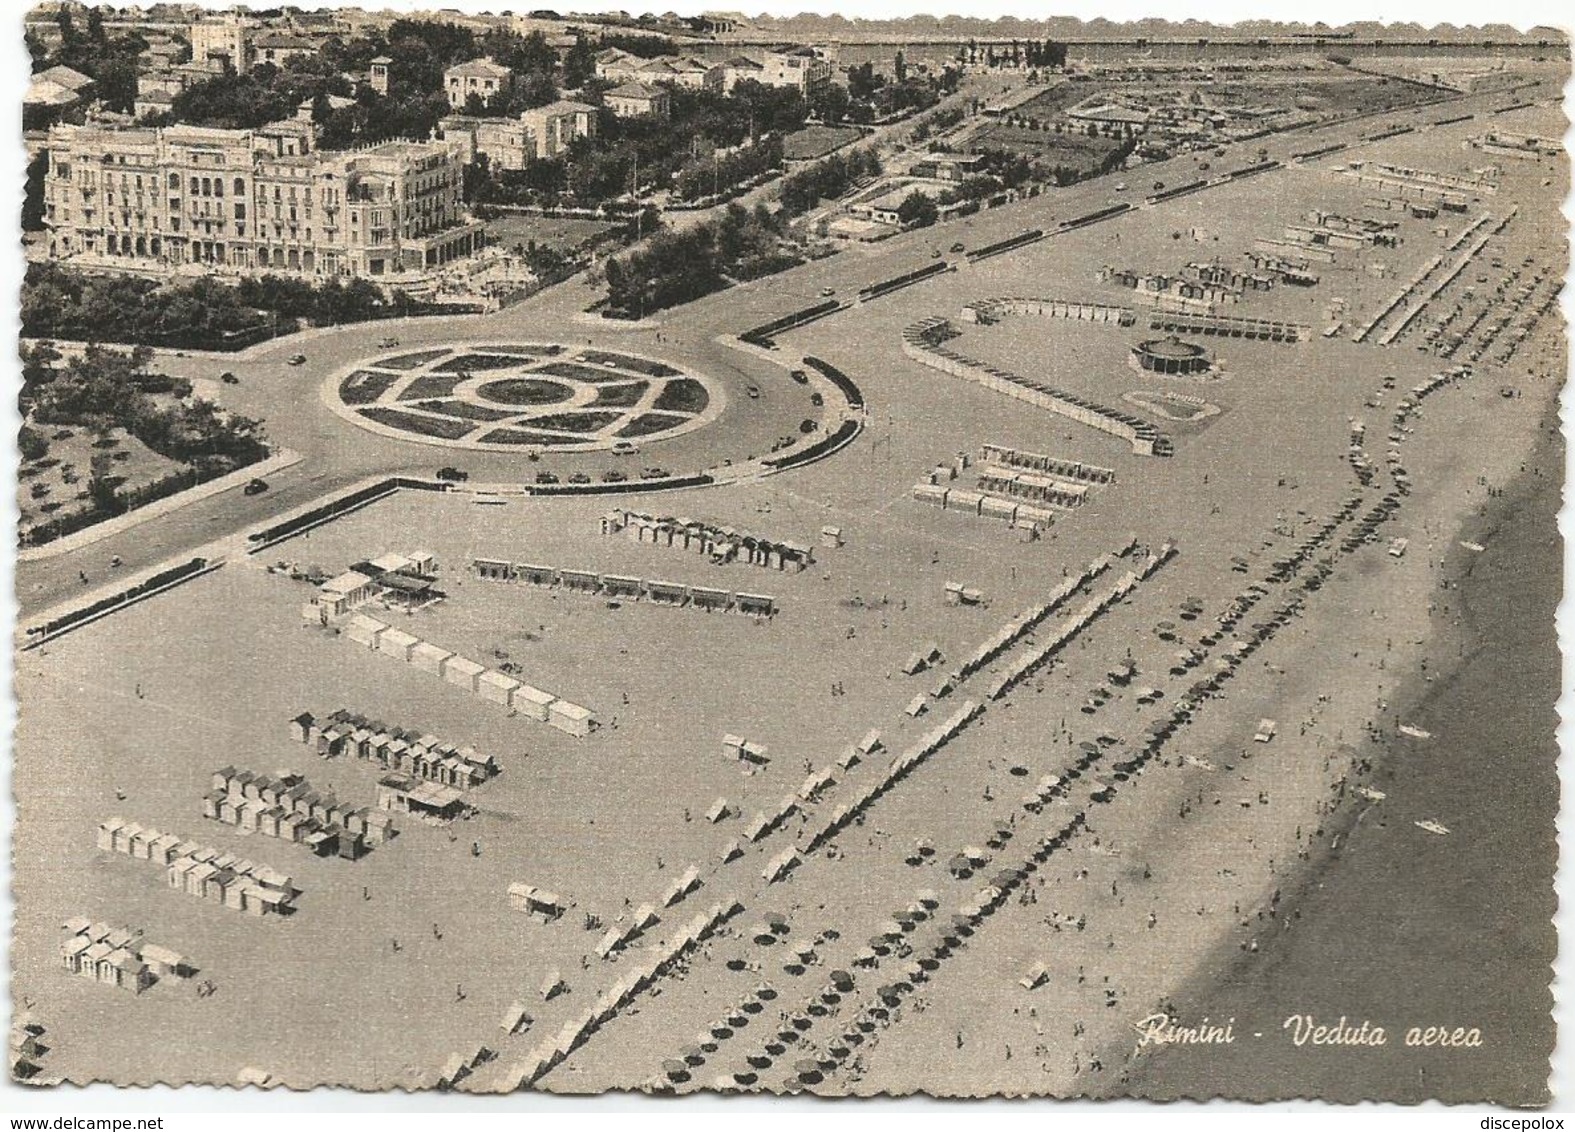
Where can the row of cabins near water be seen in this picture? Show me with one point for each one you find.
(482, 682)
(287, 808)
(720, 544)
(677, 595)
(117, 957)
(201, 871)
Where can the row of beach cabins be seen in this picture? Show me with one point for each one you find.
(720, 544)
(462, 672)
(116, 957)
(394, 748)
(922, 342)
(287, 808)
(986, 505)
(201, 871)
(677, 595)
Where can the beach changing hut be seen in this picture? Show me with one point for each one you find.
(462, 672)
(570, 718)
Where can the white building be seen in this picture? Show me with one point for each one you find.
(480, 77)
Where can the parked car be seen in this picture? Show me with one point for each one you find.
(579, 477)
(624, 448)
(255, 487)
(388, 342)
(546, 477)
(753, 391)
(827, 292)
(957, 247)
(453, 475)
(298, 360)
(229, 378)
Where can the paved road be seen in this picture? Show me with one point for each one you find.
(336, 454)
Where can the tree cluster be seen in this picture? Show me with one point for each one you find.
(109, 60)
(102, 389)
(827, 179)
(677, 267)
(58, 302)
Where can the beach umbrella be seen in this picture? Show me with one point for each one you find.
(842, 980)
(675, 1070)
(808, 1070)
(693, 1055)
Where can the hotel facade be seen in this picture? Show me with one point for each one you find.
(253, 200)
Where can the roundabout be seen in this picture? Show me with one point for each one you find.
(509, 397)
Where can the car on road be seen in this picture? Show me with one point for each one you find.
(298, 360)
(624, 448)
(255, 487)
(229, 378)
(753, 391)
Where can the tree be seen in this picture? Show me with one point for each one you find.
(33, 444)
(579, 65)
(901, 68)
(917, 210)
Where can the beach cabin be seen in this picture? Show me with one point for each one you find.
(533, 702)
(364, 630)
(163, 962)
(462, 672)
(495, 687)
(397, 643)
(570, 718)
(756, 605)
(428, 657)
(108, 833)
(72, 953)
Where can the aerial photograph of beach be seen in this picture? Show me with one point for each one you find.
(721, 553)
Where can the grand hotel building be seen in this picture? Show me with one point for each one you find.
(253, 200)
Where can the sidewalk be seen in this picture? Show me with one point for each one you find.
(87, 536)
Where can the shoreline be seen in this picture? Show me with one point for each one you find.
(1358, 864)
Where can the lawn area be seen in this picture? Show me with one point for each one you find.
(57, 484)
(424, 426)
(816, 141)
(562, 233)
(1071, 148)
(525, 391)
(684, 395)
